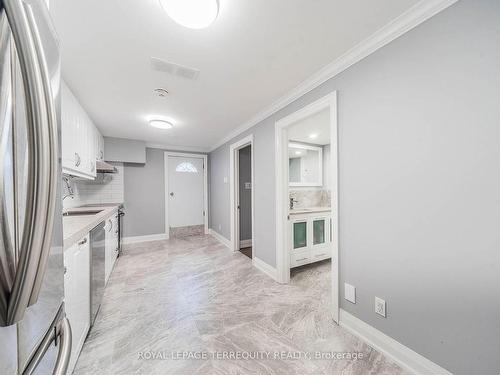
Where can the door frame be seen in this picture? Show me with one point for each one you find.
(281, 169)
(205, 186)
(234, 191)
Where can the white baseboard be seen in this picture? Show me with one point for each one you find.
(150, 237)
(245, 243)
(219, 237)
(264, 267)
(402, 355)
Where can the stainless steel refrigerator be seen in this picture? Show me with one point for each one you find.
(35, 336)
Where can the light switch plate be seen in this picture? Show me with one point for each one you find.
(248, 185)
(225, 180)
(380, 306)
(350, 293)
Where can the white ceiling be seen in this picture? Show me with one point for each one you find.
(317, 124)
(253, 54)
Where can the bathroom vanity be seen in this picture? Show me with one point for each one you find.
(310, 235)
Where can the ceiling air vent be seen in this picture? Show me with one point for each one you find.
(174, 69)
(161, 92)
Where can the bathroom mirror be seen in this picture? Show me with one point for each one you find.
(305, 165)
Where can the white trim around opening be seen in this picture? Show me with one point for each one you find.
(234, 191)
(205, 187)
(282, 184)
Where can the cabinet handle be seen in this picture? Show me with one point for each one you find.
(320, 255)
(83, 242)
(102, 154)
(110, 225)
(78, 159)
(300, 260)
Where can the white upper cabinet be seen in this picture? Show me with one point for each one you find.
(82, 143)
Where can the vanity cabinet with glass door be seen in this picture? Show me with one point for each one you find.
(310, 237)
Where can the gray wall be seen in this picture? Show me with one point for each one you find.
(419, 183)
(124, 150)
(145, 196)
(245, 168)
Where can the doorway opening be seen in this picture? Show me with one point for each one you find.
(307, 199)
(242, 197)
(186, 194)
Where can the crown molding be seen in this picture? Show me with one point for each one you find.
(408, 20)
(167, 147)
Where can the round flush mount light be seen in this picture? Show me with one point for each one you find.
(194, 14)
(298, 152)
(161, 124)
(313, 135)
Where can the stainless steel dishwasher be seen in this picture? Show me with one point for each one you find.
(97, 269)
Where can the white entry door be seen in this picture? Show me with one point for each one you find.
(185, 191)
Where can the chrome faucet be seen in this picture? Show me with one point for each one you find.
(292, 201)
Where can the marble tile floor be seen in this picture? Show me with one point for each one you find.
(193, 295)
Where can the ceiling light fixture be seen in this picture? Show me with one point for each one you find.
(194, 14)
(313, 135)
(161, 124)
(298, 152)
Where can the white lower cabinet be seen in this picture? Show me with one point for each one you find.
(310, 238)
(111, 244)
(77, 294)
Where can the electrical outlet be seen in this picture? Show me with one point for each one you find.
(350, 293)
(220, 227)
(225, 179)
(380, 306)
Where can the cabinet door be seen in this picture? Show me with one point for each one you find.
(92, 146)
(299, 234)
(319, 226)
(77, 294)
(108, 248)
(78, 148)
(115, 239)
(101, 147)
(69, 129)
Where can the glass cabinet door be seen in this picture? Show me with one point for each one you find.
(299, 235)
(319, 231)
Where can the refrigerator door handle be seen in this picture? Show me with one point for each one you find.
(52, 162)
(7, 258)
(59, 334)
(64, 353)
(40, 197)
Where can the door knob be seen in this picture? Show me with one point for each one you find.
(172, 194)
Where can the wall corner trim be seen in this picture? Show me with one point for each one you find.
(219, 237)
(402, 355)
(264, 267)
(147, 238)
(408, 20)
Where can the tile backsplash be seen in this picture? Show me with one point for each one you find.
(311, 198)
(106, 188)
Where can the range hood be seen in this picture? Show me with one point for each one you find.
(103, 167)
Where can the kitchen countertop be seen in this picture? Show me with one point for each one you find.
(77, 227)
(308, 210)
